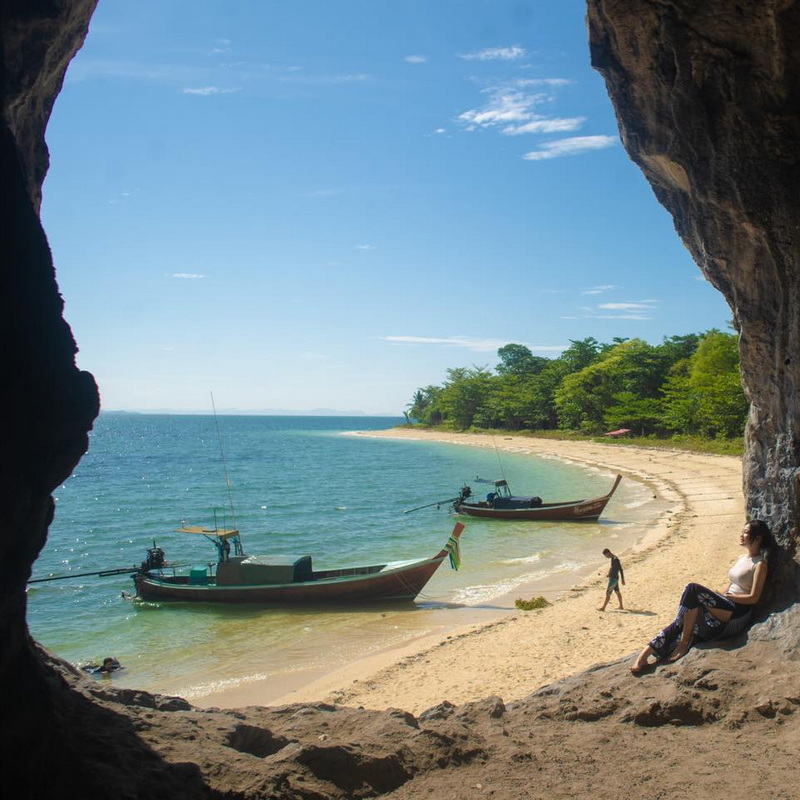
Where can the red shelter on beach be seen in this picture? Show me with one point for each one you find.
(616, 434)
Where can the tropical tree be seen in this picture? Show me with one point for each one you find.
(704, 394)
(516, 359)
(464, 394)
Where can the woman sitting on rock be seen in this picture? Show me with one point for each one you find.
(703, 614)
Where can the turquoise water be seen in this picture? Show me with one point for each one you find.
(299, 485)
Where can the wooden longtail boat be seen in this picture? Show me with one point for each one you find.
(501, 504)
(285, 581)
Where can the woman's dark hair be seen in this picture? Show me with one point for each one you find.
(757, 527)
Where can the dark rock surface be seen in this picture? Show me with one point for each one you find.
(723, 722)
(707, 98)
(708, 102)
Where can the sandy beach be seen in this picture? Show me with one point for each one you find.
(696, 538)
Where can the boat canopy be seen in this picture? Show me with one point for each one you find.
(223, 533)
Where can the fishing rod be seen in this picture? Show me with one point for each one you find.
(439, 503)
(101, 573)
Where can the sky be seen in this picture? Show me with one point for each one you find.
(302, 205)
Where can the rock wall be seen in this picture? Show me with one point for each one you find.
(46, 405)
(707, 96)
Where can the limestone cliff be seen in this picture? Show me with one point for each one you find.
(46, 405)
(707, 96)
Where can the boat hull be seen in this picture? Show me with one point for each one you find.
(573, 511)
(399, 581)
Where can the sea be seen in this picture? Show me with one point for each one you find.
(295, 485)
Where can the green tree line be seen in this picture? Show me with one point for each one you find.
(686, 385)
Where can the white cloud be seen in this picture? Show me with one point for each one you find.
(187, 275)
(517, 111)
(545, 125)
(365, 247)
(467, 342)
(496, 53)
(505, 105)
(641, 305)
(205, 91)
(618, 316)
(598, 289)
(631, 310)
(575, 146)
(441, 130)
(416, 59)
(324, 80)
(523, 82)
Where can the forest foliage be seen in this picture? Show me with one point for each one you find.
(688, 384)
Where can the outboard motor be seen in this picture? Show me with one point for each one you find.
(155, 560)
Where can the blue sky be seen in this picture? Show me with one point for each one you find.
(316, 204)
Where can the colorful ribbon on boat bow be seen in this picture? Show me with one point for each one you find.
(454, 550)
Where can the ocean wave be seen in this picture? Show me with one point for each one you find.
(637, 503)
(524, 560)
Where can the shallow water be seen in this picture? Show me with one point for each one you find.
(299, 485)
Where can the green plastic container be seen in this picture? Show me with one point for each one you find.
(198, 576)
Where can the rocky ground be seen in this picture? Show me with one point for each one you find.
(721, 723)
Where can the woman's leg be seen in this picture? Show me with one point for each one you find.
(687, 631)
(663, 642)
(696, 600)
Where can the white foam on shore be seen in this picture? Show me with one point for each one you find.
(524, 560)
(483, 593)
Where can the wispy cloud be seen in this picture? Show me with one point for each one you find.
(223, 46)
(325, 80)
(545, 125)
(416, 59)
(466, 342)
(206, 91)
(506, 105)
(575, 146)
(632, 310)
(515, 110)
(598, 289)
(122, 197)
(496, 54)
(365, 247)
(208, 76)
(639, 305)
(187, 275)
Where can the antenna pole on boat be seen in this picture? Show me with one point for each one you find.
(499, 460)
(224, 464)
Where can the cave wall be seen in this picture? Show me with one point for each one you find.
(47, 404)
(707, 96)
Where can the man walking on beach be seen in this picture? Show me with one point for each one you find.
(615, 574)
